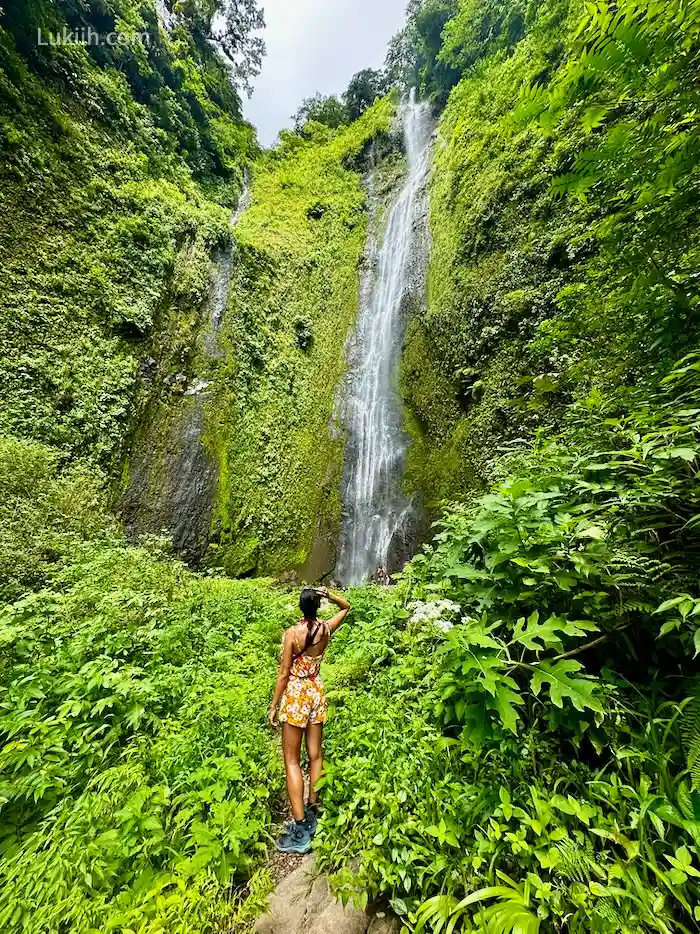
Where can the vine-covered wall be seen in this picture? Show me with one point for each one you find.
(551, 284)
(293, 300)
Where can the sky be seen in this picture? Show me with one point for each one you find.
(316, 45)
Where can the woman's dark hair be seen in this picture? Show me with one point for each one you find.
(309, 603)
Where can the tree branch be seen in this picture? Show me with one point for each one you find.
(590, 645)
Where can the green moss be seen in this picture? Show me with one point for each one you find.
(496, 270)
(534, 306)
(105, 241)
(298, 250)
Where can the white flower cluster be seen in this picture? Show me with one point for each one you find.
(434, 611)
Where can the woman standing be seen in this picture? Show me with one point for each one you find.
(303, 710)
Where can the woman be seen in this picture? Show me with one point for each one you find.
(303, 710)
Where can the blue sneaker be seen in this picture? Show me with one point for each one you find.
(311, 818)
(297, 839)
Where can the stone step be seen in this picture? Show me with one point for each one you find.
(302, 903)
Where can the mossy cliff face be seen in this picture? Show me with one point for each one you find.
(119, 168)
(109, 217)
(540, 298)
(498, 262)
(119, 173)
(293, 300)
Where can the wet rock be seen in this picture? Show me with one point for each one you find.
(198, 387)
(148, 368)
(176, 383)
(172, 483)
(302, 903)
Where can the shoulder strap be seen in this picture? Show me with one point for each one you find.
(310, 636)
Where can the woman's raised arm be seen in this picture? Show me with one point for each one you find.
(339, 601)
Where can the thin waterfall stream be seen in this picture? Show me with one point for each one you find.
(172, 485)
(377, 514)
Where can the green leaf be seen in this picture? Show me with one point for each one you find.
(594, 116)
(669, 604)
(558, 675)
(594, 531)
(503, 703)
(538, 636)
(476, 635)
(686, 454)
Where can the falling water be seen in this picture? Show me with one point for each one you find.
(172, 481)
(220, 284)
(377, 514)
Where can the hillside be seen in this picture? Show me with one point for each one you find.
(514, 740)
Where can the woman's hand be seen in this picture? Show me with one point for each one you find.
(336, 598)
(272, 718)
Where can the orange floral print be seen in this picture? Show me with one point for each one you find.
(304, 699)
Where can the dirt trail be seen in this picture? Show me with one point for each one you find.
(302, 904)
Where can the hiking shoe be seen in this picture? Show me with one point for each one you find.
(297, 839)
(311, 818)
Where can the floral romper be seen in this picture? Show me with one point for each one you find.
(304, 698)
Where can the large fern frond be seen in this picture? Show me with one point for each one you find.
(690, 736)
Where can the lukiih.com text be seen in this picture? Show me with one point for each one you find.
(90, 37)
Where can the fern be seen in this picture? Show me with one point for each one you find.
(577, 860)
(607, 910)
(690, 736)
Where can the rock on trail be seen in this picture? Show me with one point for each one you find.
(302, 904)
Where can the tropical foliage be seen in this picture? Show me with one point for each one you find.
(118, 166)
(135, 781)
(497, 740)
(515, 736)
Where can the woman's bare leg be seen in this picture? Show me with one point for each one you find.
(314, 748)
(291, 744)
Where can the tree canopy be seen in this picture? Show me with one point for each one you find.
(328, 110)
(362, 91)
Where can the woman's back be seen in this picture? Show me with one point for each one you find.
(310, 644)
(303, 708)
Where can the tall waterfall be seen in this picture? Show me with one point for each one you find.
(376, 513)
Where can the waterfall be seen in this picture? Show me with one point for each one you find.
(376, 512)
(172, 482)
(220, 285)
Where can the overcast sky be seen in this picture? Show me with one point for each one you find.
(316, 45)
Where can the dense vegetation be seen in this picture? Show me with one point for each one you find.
(565, 226)
(518, 737)
(294, 295)
(515, 740)
(135, 786)
(117, 164)
(517, 748)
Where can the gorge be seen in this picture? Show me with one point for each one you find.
(461, 328)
